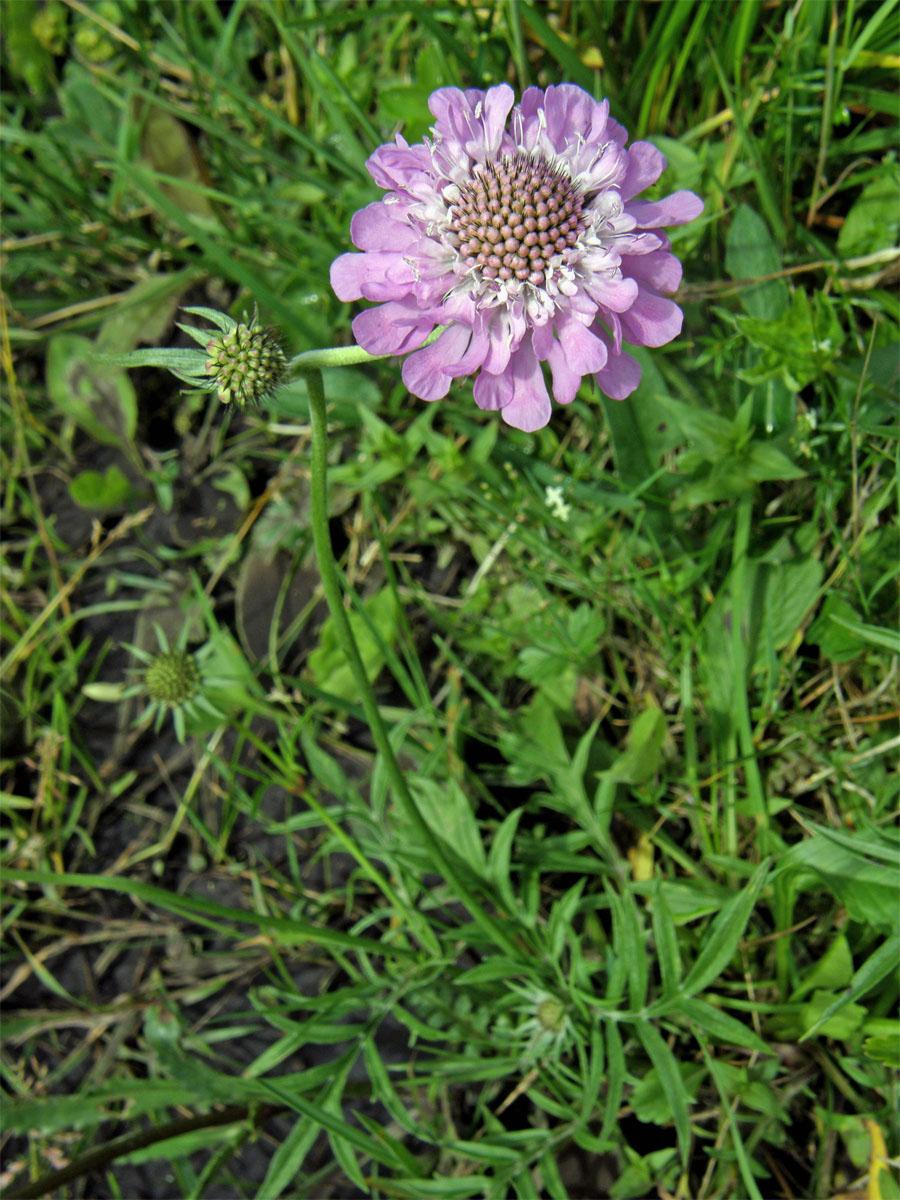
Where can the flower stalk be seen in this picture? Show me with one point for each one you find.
(347, 642)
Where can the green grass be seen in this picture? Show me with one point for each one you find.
(656, 735)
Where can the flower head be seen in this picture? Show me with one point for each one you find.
(243, 363)
(172, 680)
(517, 228)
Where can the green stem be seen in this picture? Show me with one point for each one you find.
(344, 356)
(740, 608)
(347, 642)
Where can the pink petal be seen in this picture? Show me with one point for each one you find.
(347, 273)
(376, 275)
(677, 209)
(621, 375)
(473, 357)
(584, 351)
(615, 294)
(396, 165)
(497, 103)
(492, 391)
(569, 111)
(645, 165)
(566, 382)
(542, 340)
(652, 320)
(501, 344)
(445, 102)
(392, 328)
(529, 408)
(376, 228)
(526, 118)
(423, 372)
(659, 269)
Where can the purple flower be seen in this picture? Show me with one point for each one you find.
(516, 227)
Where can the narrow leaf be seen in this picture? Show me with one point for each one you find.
(672, 1083)
(724, 934)
(885, 960)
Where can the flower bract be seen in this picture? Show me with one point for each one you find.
(517, 227)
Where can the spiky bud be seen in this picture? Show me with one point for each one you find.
(246, 364)
(551, 1015)
(172, 678)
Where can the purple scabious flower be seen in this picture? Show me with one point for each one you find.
(517, 227)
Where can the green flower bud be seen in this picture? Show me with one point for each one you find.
(172, 678)
(246, 364)
(241, 361)
(552, 1015)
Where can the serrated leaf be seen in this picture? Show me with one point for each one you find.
(764, 461)
(796, 346)
(836, 638)
(643, 751)
(649, 1099)
(860, 870)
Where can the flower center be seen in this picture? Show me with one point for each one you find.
(513, 216)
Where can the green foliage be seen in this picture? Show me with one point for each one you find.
(639, 669)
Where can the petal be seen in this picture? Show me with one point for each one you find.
(445, 103)
(473, 357)
(645, 165)
(376, 228)
(529, 408)
(542, 340)
(493, 391)
(393, 328)
(584, 351)
(566, 382)
(677, 209)
(569, 112)
(423, 372)
(526, 119)
(376, 275)
(616, 294)
(347, 273)
(501, 344)
(652, 320)
(659, 269)
(621, 375)
(396, 165)
(497, 103)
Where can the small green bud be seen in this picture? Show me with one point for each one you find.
(172, 678)
(246, 364)
(552, 1015)
(241, 362)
